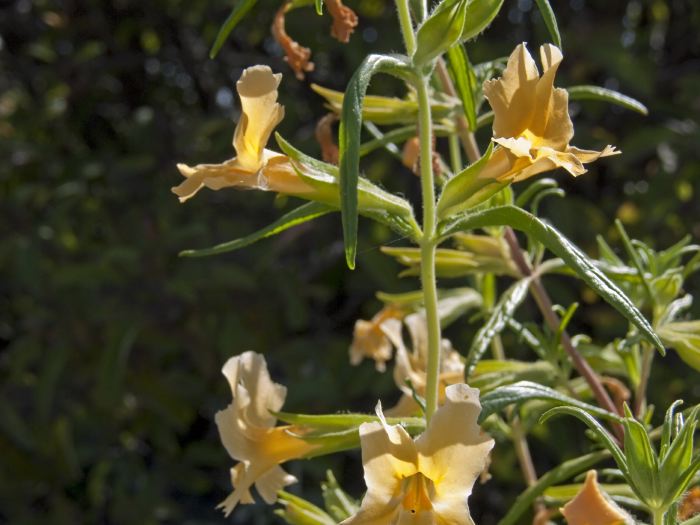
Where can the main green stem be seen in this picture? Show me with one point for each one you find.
(428, 246)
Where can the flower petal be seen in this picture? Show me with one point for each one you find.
(247, 373)
(512, 96)
(453, 450)
(271, 482)
(592, 506)
(257, 89)
(551, 121)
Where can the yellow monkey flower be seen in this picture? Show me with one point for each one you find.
(428, 480)
(411, 364)
(248, 432)
(254, 166)
(531, 126)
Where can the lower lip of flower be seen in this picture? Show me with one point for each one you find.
(417, 492)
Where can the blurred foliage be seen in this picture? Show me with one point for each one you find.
(111, 346)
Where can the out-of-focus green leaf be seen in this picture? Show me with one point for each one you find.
(238, 13)
(337, 502)
(606, 95)
(550, 20)
(684, 338)
(504, 309)
(464, 80)
(304, 213)
(298, 511)
(558, 474)
(551, 238)
(451, 263)
(524, 391)
(349, 139)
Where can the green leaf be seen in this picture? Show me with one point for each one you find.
(565, 471)
(349, 139)
(240, 10)
(440, 30)
(465, 83)
(303, 213)
(480, 13)
(319, 7)
(298, 511)
(679, 455)
(685, 478)
(373, 202)
(337, 502)
(523, 391)
(667, 428)
(550, 21)
(466, 189)
(606, 95)
(552, 239)
(504, 309)
(641, 459)
(684, 338)
(343, 421)
(604, 436)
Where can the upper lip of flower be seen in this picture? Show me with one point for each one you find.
(531, 124)
(417, 477)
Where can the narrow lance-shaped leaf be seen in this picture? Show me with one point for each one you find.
(524, 391)
(641, 458)
(606, 95)
(550, 20)
(553, 240)
(606, 439)
(303, 213)
(240, 10)
(507, 304)
(349, 139)
(464, 79)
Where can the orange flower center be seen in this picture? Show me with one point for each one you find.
(417, 492)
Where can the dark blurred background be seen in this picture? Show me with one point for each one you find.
(111, 346)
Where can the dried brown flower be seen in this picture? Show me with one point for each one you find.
(298, 57)
(324, 136)
(344, 20)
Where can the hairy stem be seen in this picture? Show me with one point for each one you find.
(641, 390)
(409, 37)
(544, 303)
(428, 246)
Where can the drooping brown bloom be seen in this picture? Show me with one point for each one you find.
(690, 504)
(324, 137)
(531, 126)
(297, 56)
(344, 20)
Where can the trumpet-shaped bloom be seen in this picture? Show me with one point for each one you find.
(254, 166)
(248, 431)
(410, 370)
(531, 121)
(426, 481)
(369, 339)
(592, 506)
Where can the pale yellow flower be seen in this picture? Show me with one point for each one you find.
(254, 166)
(248, 431)
(592, 506)
(410, 369)
(531, 126)
(369, 341)
(426, 481)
